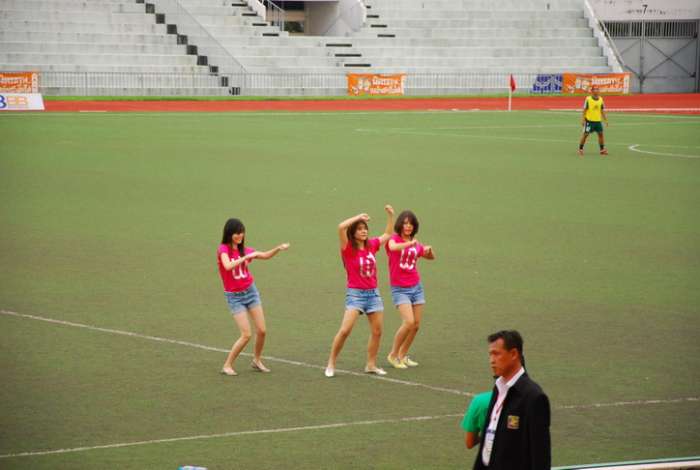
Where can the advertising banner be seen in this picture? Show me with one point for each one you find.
(371, 84)
(21, 102)
(19, 82)
(608, 83)
(548, 83)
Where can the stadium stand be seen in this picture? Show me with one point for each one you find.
(102, 47)
(214, 47)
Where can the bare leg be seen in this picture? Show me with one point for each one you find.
(258, 317)
(376, 323)
(417, 316)
(349, 319)
(244, 327)
(407, 322)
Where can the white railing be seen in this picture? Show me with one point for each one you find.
(604, 41)
(285, 84)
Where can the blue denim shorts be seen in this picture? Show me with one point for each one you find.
(413, 295)
(245, 300)
(365, 300)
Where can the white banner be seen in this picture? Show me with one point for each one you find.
(21, 102)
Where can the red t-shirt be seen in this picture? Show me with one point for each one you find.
(361, 265)
(403, 264)
(239, 278)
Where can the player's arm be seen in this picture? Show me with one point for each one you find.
(583, 116)
(343, 228)
(229, 264)
(270, 253)
(388, 230)
(428, 252)
(602, 113)
(396, 246)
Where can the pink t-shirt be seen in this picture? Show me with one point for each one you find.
(361, 265)
(239, 278)
(403, 270)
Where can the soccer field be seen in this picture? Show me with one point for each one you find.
(114, 325)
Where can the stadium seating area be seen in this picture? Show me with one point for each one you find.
(212, 47)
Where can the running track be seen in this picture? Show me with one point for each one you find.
(652, 103)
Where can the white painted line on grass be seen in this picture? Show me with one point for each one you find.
(210, 348)
(635, 149)
(313, 366)
(231, 434)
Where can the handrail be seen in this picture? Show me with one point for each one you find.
(263, 7)
(174, 8)
(343, 12)
(593, 22)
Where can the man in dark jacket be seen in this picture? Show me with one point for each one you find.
(517, 429)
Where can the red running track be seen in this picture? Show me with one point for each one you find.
(653, 103)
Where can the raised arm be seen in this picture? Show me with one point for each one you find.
(389, 229)
(343, 228)
(270, 253)
(428, 252)
(229, 264)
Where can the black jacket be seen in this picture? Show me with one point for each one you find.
(522, 436)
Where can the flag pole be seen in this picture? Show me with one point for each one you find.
(510, 98)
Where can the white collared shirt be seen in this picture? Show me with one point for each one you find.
(490, 433)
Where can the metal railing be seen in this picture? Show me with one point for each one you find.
(198, 35)
(282, 84)
(269, 11)
(653, 29)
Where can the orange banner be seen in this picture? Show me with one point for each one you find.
(581, 83)
(19, 82)
(371, 84)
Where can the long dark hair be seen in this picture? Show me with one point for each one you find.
(398, 225)
(234, 226)
(351, 232)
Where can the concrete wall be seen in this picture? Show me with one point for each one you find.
(627, 10)
(336, 18)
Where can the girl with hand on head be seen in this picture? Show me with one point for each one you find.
(407, 294)
(362, 295)
(243, 298)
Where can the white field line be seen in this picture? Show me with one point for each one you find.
(210, 348)
(635, 149)
(296, 428)
(231, 434)
(313, 366)
(500, 137)
(636, 110)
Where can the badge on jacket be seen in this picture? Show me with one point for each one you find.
(513, 422)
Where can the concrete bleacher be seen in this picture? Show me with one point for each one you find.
(509, 36)
(99, 47)
(245, 53)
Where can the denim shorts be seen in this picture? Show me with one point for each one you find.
(413, 295)
(244, 300)
(365, 300)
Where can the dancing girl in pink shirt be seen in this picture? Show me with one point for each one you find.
(407, 293)
(233, 258)
(362, 295)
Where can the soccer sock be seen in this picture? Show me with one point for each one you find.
(580, 146)
(602, 146)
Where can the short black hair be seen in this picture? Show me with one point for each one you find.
(511, 339)
(398, 225)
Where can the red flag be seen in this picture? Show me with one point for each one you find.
(512, 83)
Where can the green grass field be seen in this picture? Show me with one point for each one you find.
(113, 220)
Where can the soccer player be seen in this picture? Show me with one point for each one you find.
(593, 115)
(403, 251)
(241, 294)
(362, 295)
